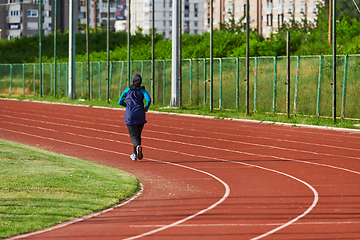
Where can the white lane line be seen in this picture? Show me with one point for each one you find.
(316, 196)
(199, 137)
(229, 150)
(246, 224)
(177, 152)
(226, 194)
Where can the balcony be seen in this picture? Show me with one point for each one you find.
(13, 32)
(13, 19)
(47, 7)
(47, 20)
(13, 7)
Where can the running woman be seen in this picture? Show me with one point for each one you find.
(135, 112)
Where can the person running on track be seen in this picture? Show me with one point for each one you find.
(133, 99)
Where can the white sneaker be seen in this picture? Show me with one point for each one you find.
(133, 157)
(139, 152)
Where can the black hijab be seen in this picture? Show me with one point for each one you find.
(136, 83)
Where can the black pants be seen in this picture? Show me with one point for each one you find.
(135, 134)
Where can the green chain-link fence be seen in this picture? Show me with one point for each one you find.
(310, 84)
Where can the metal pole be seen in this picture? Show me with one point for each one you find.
(87, 51)
(247, 58)
(204, 82)
(334, 61)
(174, 102)
(180, 55)
(128, 42)
(288, 76)
(211, 55)
(330, 21)
(108, 53)
(153, 51)
(95, 17)
(40, 50)
(55, 43)
(71, 83)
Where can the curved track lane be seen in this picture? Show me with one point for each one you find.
(204, 178)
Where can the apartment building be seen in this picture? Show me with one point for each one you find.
(21, 18)
(265, 15)
(141, 17)
(98, 13)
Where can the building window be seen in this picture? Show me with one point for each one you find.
(187, 8)
(14, 13)
(280, 20)
(32, 13)
(32, 25)
(269, 20)
(14, 26)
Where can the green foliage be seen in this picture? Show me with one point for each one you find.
(229, 41)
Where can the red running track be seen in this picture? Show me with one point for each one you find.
(204, 178)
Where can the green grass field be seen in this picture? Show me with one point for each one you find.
(40, 189)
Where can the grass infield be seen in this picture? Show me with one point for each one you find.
(40, 189)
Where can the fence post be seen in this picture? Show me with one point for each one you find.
(204, 81)
(190, 80)
(91, 80)
(237, 84)
(59, 75)
(99, 70)
(274, 88)
(43, 79)
(121, 76)
(23, 77)
(296, 85)
(164, 82)
(319, 88)
(51, 78)
(66, 78)
(255, 84)
(344, 88)
(220, 89)
(34, 78)
(82, 79)
(110, 77)
(11, 79)
(142, 70)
